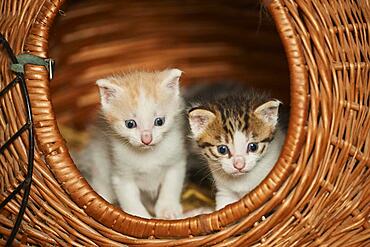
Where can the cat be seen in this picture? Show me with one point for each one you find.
(240, 133)
(137, 153)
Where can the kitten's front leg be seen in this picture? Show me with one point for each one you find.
(128, 195)
(168, 204)
(102, 187)
(224, 198)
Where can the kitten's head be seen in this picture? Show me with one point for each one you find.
(234, 133)
(141, 106)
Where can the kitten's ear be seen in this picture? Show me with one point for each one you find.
(171, 79)
(107, 91)
(199, 119)
(268, 112)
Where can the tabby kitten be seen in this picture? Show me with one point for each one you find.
(240, 136)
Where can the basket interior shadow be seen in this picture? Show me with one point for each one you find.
(208, 41)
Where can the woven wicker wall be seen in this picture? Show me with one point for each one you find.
(208, 40)
(318, 193)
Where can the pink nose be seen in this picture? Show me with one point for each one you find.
(239, 162)
(146, 137)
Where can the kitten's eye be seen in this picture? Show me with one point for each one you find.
(223, 149)
(130, 124)
(159, 121)
(252, 147)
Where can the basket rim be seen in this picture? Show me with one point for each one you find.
(65, 171)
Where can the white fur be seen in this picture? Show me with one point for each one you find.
(233, 188)
(148, 170)
(122, 172)
(124, 169)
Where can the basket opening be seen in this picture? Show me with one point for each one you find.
(209, 41)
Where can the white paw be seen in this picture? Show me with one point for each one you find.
(168, 211)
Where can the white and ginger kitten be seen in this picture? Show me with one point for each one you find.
(137, 154)
(240, 137)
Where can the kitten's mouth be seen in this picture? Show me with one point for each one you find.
(147, 146)
(238, 173)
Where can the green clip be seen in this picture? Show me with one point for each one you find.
(35, 60)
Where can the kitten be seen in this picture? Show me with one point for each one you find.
(137, 152)
(240, 136)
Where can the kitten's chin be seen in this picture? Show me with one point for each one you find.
(237, 173)
(233, 173)
(147, 147)
(141, 146)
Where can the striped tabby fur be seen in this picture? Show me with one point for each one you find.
(240, 136)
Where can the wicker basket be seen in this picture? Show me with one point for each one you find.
(318, 193)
